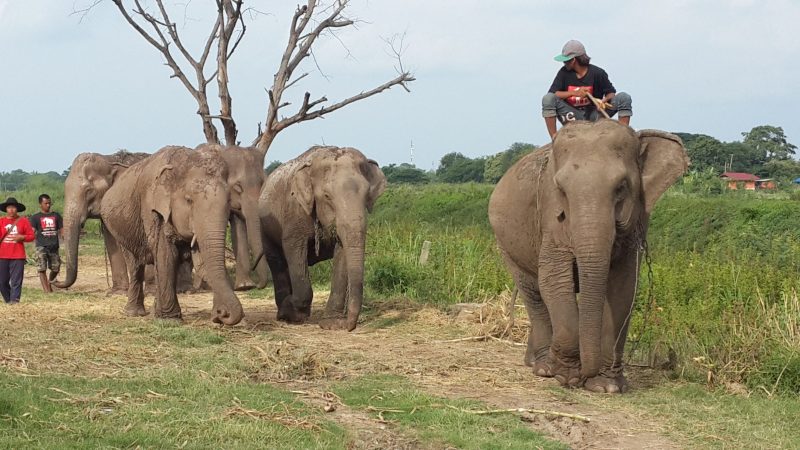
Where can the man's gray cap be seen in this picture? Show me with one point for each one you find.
(571, 49)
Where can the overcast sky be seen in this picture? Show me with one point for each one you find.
(72, 84)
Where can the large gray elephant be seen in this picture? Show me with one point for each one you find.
(572, 217)
(90, 176)
(162, 207)
(314, 208)
(245, 178)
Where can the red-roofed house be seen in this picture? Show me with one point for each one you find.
(737, 179)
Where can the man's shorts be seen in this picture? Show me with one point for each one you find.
(45, 258)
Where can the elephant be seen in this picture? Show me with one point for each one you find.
(314, 208)
(246, 178)
(90, 176)
(572, 218)
(176, 200)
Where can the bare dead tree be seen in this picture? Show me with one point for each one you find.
(161, 32)
(302, 35)
(309, 22)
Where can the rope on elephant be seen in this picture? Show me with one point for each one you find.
(650, 297)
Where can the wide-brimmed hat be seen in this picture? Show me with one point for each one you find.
(13, 202)
(571, 49)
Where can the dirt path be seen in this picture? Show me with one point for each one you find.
(421, 344)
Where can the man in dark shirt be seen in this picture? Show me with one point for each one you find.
(569, 97)
(48, 227)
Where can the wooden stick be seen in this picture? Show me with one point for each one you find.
(521, 410)
(599, 105)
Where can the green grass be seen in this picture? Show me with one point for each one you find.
(717, 419)
(176, 409)
(445, 422)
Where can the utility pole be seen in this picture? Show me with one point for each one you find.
(412, 152)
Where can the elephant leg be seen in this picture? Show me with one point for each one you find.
(616, 318)
(281, 283)
(558, 291)
(150, 280)
(116, 259)
(184, 283)
(537, 354)
(296, 308)
(166, 262)
(135, 305)
(242, 252)
(337, 299)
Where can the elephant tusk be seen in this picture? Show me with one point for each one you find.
(194, 241)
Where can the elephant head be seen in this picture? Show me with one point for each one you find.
(90, 176)
(607, 179)
(192, 203)
(338, 187)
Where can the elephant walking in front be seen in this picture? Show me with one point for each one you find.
(159, 209)
(571, 218)
(314, 208)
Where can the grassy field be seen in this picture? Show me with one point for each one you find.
(714, 364)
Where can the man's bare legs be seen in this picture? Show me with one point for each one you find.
(551, 126)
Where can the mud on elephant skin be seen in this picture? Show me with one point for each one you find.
(582, 204)
(314, 208)
(90, 177)
(160, 208)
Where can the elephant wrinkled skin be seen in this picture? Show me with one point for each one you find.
(571, 218)
(90, 177)
(314, 208)
(159, 208)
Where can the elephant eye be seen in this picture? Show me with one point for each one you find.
(621, 190)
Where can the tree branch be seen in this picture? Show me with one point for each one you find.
(298, 48)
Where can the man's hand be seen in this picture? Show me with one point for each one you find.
(581, 92)
(19, 238)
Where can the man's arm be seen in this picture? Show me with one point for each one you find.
(24, 231)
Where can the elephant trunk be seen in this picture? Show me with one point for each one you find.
(353, 235)
(595, 233)
(253, 223)
(73, 221)
(227, 309)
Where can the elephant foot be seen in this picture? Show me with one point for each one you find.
(337, 323)
(116, 291)
(568, 375)
(608, 385)
(543, 368)
(244, 285)
(177, 316)
(288, 313)
(135, 310)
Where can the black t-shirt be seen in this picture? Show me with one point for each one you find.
(46, 226)
(596, 80)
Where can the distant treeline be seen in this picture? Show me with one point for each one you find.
(763, 151)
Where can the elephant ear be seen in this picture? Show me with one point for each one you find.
(302, 188)
(663, 160)
(162, 198)
(377, 182)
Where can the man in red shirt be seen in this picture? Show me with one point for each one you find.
(14, 231)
